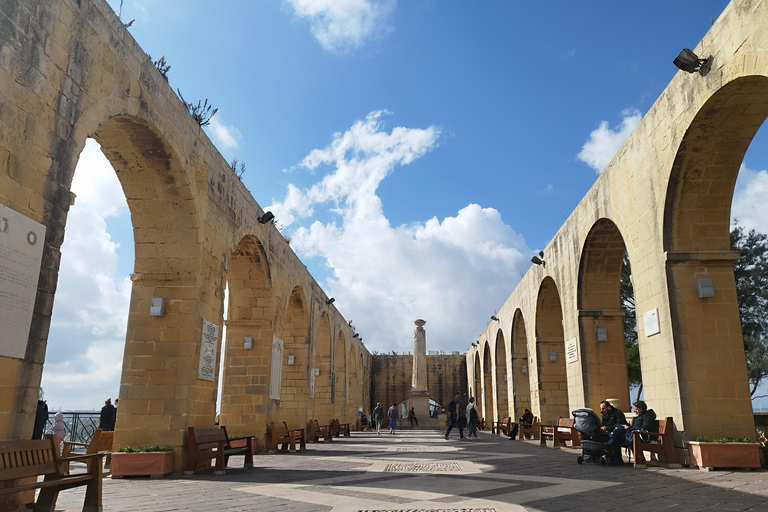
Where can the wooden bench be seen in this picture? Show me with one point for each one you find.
(27, 459)
(100, 442)
(505, 425)
(214, 443)
(661, 442)
(559, 433)
(340, 428)
(530, 430)
(316, 431)
(287, 439)
(481, 424)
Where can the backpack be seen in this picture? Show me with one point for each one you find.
(452, 407)
(473, 413)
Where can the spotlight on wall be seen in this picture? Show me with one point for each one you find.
(356, 335)
(493, 317)
(268, 216)
(689, 62)
(537, 261)
(330, 301)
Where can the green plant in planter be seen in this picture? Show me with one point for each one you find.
(142, 449)
(705, 439)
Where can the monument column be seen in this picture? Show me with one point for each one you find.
(419, 396)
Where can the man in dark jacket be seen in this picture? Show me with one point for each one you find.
(644, 420)
(108, 416)
(525, 419)
(615, 424)
(453, 411)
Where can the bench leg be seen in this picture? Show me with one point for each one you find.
(637, 450)
(46, 500)
(221, 463)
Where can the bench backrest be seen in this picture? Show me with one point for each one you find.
(280, 428)
(565, 422)
(206, 438)
(20, 459)
(101, 442)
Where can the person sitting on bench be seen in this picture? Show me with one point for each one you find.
(525, 418)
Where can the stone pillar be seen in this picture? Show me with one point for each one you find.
(419, 396)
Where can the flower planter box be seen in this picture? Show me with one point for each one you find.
(708, 456)
(152, 464)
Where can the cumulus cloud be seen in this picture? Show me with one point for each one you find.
(227, 137)
(87, 336)
(452, 272)
(749, 206)
(341, 26)
(605, 141)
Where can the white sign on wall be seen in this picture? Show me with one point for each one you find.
(651, 322)
(206, 368)
(277, 368)
(21, 252)
(311, 383)
(571, 351)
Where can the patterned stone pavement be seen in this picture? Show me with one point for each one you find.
(419, 471)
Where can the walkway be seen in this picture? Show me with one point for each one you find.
(418, 471)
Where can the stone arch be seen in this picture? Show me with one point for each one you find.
(478, 383)
(295, 379)
(352, 384)
(338, 378)
(501, 375)
(697, 244)
(602, 358)
(551, 397)
(246, 375)
(521, 387)
(322, 401)
(488, 391)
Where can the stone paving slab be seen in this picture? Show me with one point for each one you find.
(491, 474)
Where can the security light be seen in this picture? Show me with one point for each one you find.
(537, 261)
(268, 216)
(330, 301)
(691, 63)
(493, 317)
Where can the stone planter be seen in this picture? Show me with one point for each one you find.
(708, 456)
(152, 464)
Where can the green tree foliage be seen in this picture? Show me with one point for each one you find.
(751, 274)
(631, 347)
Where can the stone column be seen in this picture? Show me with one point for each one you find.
(419, 378)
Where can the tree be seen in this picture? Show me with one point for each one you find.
(631, 347)
(751, 275)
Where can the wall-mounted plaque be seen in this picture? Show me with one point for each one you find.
(651, 322)
(277, 368)
(21, 251)
(206, 368)
(571, 351)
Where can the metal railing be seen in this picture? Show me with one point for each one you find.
(79, 425)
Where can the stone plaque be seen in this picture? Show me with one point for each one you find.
(206, 368)
(21, 251)
(651, 322)
(571, 351)
(277, 368)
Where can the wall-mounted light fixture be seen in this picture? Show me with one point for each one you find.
(493, 317)
(356, 335)
(157, 306)
(552, 355)
(524, 368)
(330, 301)
(248, 342)
(704, 287)
(268, 216)
(602, 333)
(689, 62)
(538, 261)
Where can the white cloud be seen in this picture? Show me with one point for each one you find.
(451, 272)
(226, 136)
(749, 206)
(605, 141)
(87, 336)
(344, 25)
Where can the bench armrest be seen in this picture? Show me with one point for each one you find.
(75, 458)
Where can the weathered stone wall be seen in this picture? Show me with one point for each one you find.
(664, 199)
(391, 378)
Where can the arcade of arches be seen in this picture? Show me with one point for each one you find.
(75, 72)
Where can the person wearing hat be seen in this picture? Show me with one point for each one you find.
(108, 416)
(453, 411)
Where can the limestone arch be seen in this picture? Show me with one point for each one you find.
(338, 378)
(550, 400)
(602, 355)
(521, 387)
(250, 312)
(502, 376)
(488, 391)
(295, 378)
(707, 330)
(322, 400)
(353, 386)
(478, 383)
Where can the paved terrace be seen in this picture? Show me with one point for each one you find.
(420, 471)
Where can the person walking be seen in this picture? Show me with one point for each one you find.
(472, 415)
(393, 415)
(377, 415)
(453, 411)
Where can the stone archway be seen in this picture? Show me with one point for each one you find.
(502, 376)
(478, 383)
(322, 400)
(488, 391)
(601, 329)
(339, 377)
(521, 388)
(551, 399)
(247, 369)
(295, 378)
(697, 244)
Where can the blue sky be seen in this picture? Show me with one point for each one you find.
(418, 152)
